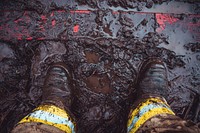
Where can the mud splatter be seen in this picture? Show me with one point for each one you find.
(103, 47)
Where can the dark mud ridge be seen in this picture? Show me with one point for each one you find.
(104, 48)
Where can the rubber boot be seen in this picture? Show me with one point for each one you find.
(152, 78)
(150, 112)
(57, 87)
(152, 87)
(53, 114)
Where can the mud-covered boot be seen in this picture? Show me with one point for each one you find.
(152, 86)
(53, 115)
(152, 78)
(57, 88)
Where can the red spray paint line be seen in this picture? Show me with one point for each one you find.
(162, 19)
(41, 38)
(16, 21)
(52, 14)
(76, 28)
(29, 38)
(53, 22)
(43, 17)
(80, 11)
(72, 11)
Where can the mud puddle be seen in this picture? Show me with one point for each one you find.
(103, 44)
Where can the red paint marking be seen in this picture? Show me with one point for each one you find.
(88, 11)
(43, 17)
(52, 14)
(41, 38)
(53, 22)
(16, 21)
(72, 11)
(29, 38)
(19, 36)
(80, 11)
(42, 28)
(115, 12)
(76, 28)
(162, 19)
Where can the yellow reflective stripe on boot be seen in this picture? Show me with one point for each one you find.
(54, 110)
(146, 110)
(143, 104)
(51, 115)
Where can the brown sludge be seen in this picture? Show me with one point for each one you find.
(104, 53)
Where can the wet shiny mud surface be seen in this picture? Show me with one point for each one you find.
(103, 43)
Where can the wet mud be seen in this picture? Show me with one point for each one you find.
(103, 43)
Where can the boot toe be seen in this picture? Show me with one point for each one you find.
(56, 86)
(153, 78)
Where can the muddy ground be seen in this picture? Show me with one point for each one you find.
(103, 43)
